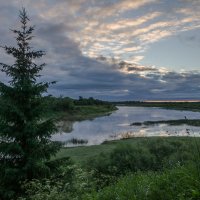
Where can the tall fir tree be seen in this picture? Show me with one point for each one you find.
(25, 144)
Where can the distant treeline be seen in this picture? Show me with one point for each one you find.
(67, 103)
(194, 106)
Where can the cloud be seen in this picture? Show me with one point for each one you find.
(114, 8)
(75, 34)
(125, 23)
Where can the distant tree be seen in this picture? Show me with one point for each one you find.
(25, 144)
(80, 98)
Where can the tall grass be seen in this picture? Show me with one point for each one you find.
(175, 184)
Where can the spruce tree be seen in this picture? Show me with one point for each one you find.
(25, 144)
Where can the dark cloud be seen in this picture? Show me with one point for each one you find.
(80, 75)
(126, 66)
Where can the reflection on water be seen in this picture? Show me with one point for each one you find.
(117, 125)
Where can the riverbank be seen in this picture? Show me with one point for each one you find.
(65, 119)
(82, 153)
(189, 122)
(187, 106)
(132, 169)
(117, 125)
(68, 109)
(183, 106)
(81, 113)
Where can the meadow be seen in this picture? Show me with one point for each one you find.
(136, 168)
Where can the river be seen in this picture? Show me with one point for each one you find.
(117, 125)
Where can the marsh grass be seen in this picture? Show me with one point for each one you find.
(76, 141)
(190, 122)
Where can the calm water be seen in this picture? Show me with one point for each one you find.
(117, 125)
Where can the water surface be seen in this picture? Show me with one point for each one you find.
(117, 125)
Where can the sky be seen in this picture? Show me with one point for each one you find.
(113, 49)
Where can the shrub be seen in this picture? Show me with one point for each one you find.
(107, 168)
(128, 158)
(177, 184)
(69, 182)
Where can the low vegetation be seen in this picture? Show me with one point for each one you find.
(76, 141)
(130, 169)
(191, 106)
(68, 109)
(190, 122)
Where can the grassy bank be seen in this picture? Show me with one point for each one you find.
(80, 113)
(186, 106)
(66, 118)
(190, 122)
(68, 109)
(82, 153)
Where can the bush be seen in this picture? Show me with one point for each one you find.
(149, 170)
(127, 158)
(107, 168)
(150, 155)
(69, 182)
(102, 170)
(177, 184)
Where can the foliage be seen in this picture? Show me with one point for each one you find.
(179, 183)
(190, 122)
(68, 183)
(25, 143)
(68, 109)
(90, 101)
(130, 158)
(76, 141)
(59, 104)
(140, 168)
(182, 149)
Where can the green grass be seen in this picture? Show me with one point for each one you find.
(155, 168)
(190, 122)
(180, 183)
(80, 113)
(82, 153)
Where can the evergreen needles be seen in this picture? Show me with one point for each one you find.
(25, 143)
